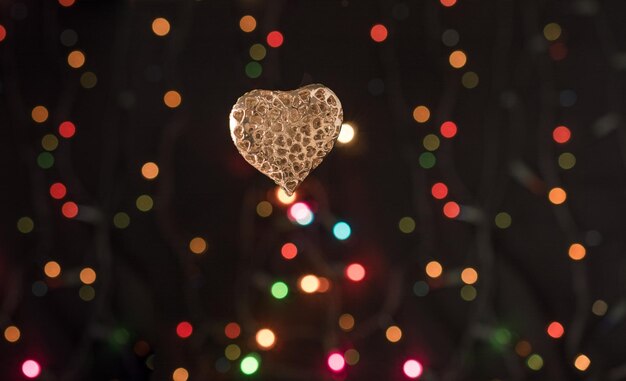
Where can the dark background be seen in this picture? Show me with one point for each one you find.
(148, 280)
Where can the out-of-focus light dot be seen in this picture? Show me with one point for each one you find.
(257, 52)
(67, 129)
(141, 348)
(406, 225)
(355, 272)
(599, 307)
(336, 362)
(39, 114)
(172, 99)
(121, 220)
(412, 368)
(301, 213)
(76, 59)
(450, 37)
(249, 364)
(451, 209)
(341, 230)
(265, 338)
(68, 37)
(69, 209)
(58, 191)
(393, 333)
(88, 80)
(39, 288)
(439, 191)
(457, 59)
(12, 334)
(346, 322)
(582, 362)
(283, 198)
(3, 33)
(160, 26)
(25, 225)
(431, 142)
(577, 251)
(503, 220)
(309, 283)
(86, 293)
(421, 114)
(427, 160)
(144, 203)
(247, 23)
(420, 288)
(67, 3)
(558, 51)
(197, 245)
(279, 290)
(501, 336)
(45, 160)
(184, 329)
(346, 134)
(289, 250)
(379, 33)
(448, 3)
(232, 330)
(557, 196)
(523, 348)
(534, 362)
(275, 39)
(52, 269)
(448, 129)
(87, 275)
(180, 374)
(561, 134)
(324, 284)
(49, 142)
(555, 330)
(470, 80)
(469, 275)
(31, 368)
(264, 209)
(468, 293)
(254, 69)
(232, 352)
(552, 31)
(434, 269)
(352, 356)
(567, 160)
(150, 170)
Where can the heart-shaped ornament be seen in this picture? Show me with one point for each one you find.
(286, 134)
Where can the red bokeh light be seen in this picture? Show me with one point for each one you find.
(58, 191)
(412, 368)
(3, 33)
(379, 33)
(561, 134)
(69, 209)
(558, 51)
(448, 3)
(184, 329)
(67, 3)
(451, 209)
(275, 39)
(555, 330)
(289, 251)
(336, 362)
(448, 129)
(355, 272)
(232, 330)
(31, 368)
(67, 129)
(439, 191)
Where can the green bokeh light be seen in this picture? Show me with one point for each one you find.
(503, 220)
(427, 160)
(534, 362)
(25, 225)
(279, 290)
(254, 69)
(45, 160)
(250, 364)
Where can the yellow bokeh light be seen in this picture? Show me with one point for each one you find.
(265, 338)
(309, 283)
(393, 334)
(434, 269)
(172, 99)
(457, 59)
(557, 196)
(264, 209)
(180, 374)
(197, 245)
(577, 251)
(150, 170)
(247, 23)
(283, 198)
(421, 114)
(87, 275)
(52, 269)
(346, 322)
(552, 31)
(160, 26)
(12, 334)
(76, 59)
(39, 114)
(582, 362)
(469, 276)
(346, 134)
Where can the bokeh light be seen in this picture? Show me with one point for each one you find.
(355, 272)
(250, 364)
(457, 59)
(379, 33)
(557, 196)
(468, 293)
(346, 134)
(45, 160)
(257, 52)
(309, 283)
(352, 356)
(279, 290)
(265, 338)
(289, 250)
(599, 307)
(336, 362)
(582, 362)
(439, 191)
(121, 220)
(31, 368)
(184, 329)
(447, 3)
(160, 26)
(144, 203)
(67, 129)
(69, 209)
(523, 348)
(254, 69)
(469, 275)
(86, 293)
(232, 352)
(275, 39)
(39, 114)
(406, 225)
(434, 269)
(67, 3)
(393, 334)
(150, 170)
(567, 160)
(451, 209)
(88, 80)
(421, 114)
(76, 59)
(534, 362)
(412, 368)
(503, 220)
(12, 334)
(25, 225)
(232, 330)
(346, 322)
(264, 209)
(448, 129)
(58, 191)
(172, 99)
(197, 245)
(283, 197)
(431, 142)
(180, 374)
(341, 230)
(247, 23)
(555, 330)
(49, 142)
(52, 269)
(301, 213)
(552, 31)
(324, 284)
(3, 33)
(470, 80)
(561, 134)
(87, 275)
(577, 251)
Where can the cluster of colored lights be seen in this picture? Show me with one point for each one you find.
(257, 51)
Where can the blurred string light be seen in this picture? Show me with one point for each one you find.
(172, 99)
(121, 220)
(12, 334)
(247, 23)
(469, 275)
(49, 142)
(254, 69)
(342, 231)
(552, 31)
(283, 198)
(523, 348)
(67, 3)
(289, 250)
(439, 191)
(257, 52)
(45, 160)
(88, 80)
(275, 39)
(448, 129)
(379, 33)
(468, 293)
(406, 225)
(421, 114)
(67, 129)
(279, 290)
(534, 362)
(184, 329)
(355, 272)
(582, 362)
(69, 209)
(503, 220)
(309, 283)
(427, 160)
(412, 368)
(577, 251)
(346, 135)
(57, 191)
(265, 338)
(599, 307)
(393, 334)
(346, 322)
(336, 362)
(470, 80)
(567, 160)
(352, 356)
(557, 196)
(457, 59)
(448, 3)
(198, 245)
(52, 269)
(555, 330)
(180, 374)
(25, 225)
(87, 275)
(232, 330)
(451, 209)
(264, 209)
(160, 26)
(561, 134)
(301, 213)
(3, 33)
(450, 37)
(39, 114)
(31, 368)
(250, 364)
(431, 142)
(232, 352)
(434, 269)
(150, 170)
(76, 59)
(324, 284)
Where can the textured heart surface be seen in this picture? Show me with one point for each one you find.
(286, 134)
